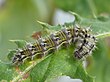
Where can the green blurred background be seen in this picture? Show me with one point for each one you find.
(18, 20)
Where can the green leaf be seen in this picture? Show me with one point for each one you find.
(49, 27)
(6, 72)
(99, 27)
(80, 72)
(11, 54)
(60, 63)
(19, 43)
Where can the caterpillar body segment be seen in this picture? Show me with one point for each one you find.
(82, 38)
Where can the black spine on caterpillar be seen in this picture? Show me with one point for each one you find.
(81, 37)
(85, 42)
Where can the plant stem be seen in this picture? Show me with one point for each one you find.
(103, 35)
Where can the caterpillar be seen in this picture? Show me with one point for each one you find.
(82, 38)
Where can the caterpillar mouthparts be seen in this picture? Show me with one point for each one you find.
(82, 38)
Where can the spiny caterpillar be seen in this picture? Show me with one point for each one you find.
(82, 38)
